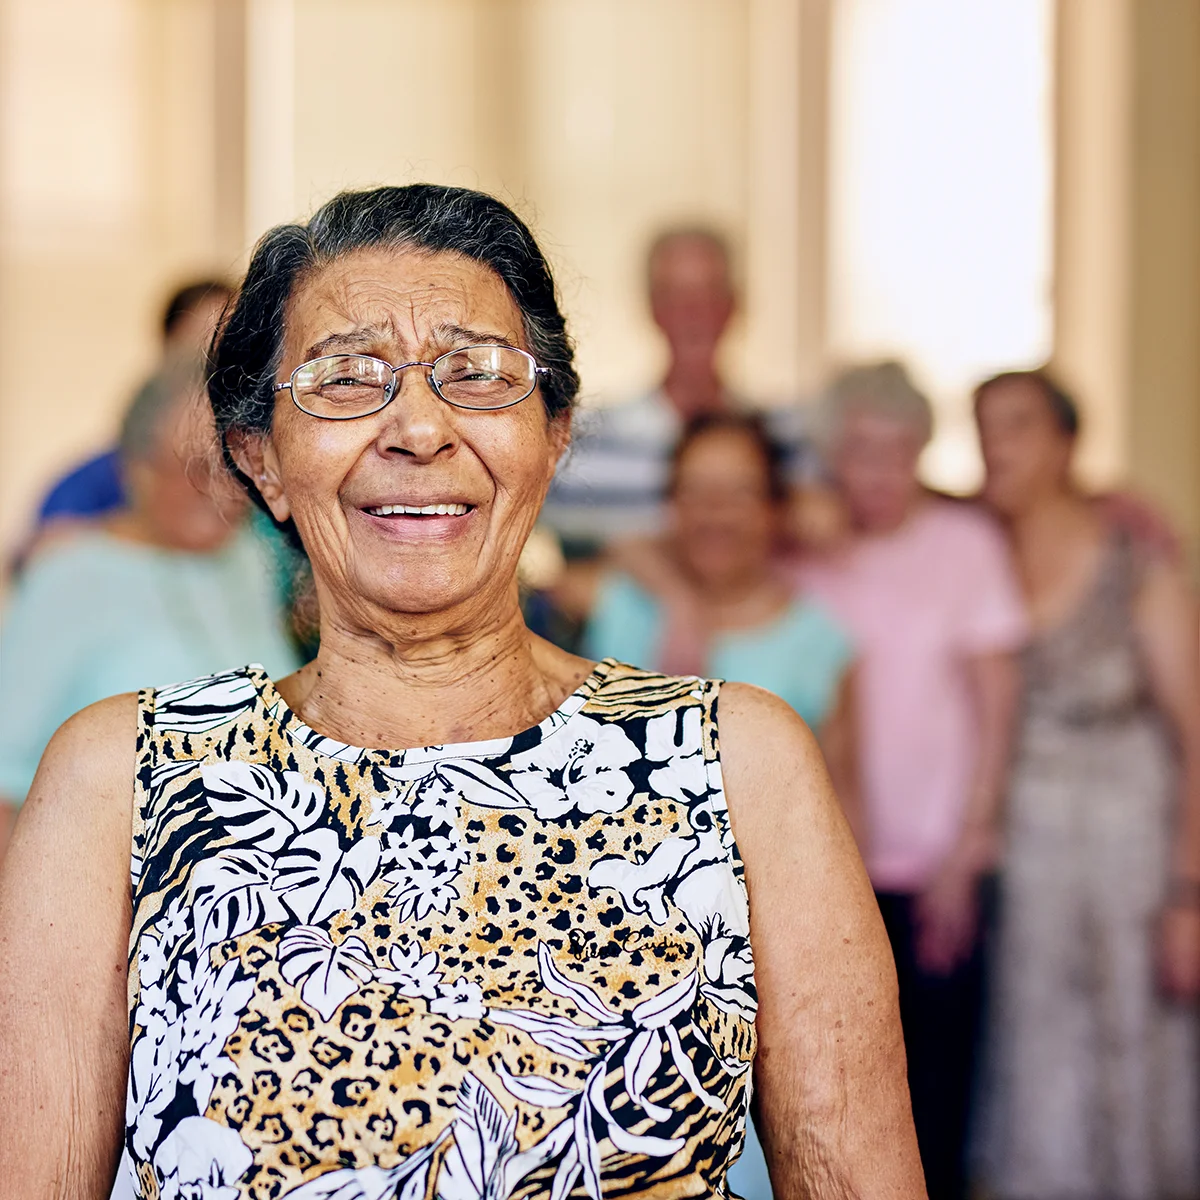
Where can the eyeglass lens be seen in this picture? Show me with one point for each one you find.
(350, 385)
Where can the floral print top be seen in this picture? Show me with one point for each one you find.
(517, 967)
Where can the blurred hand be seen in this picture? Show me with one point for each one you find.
(1179, 952)
(947, 916)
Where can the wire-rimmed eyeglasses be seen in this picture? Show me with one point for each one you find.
(340, 387)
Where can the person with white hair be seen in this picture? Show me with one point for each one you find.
(925, 588)
(170, 586)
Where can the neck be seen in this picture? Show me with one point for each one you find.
(429, 682)
(1047, 515)
(694, 387)
(731, 591)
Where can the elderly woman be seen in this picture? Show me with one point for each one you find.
(925, 588)
(448, 911)
(172, 584)
(1095, 1041)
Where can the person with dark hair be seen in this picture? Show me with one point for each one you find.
(448, 911)
(1096, 1032)
(95, 487)
(170, 585)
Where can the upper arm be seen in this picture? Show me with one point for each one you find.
(830, 1072)
(1165, 624)
(64, 934)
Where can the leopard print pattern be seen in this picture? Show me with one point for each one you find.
(511, 968)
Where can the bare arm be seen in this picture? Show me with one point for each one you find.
(947, 910)
(64, 933)
(834, 1112)
(1165, 621)
(838, 738)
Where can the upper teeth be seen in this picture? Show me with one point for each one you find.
(421, 510)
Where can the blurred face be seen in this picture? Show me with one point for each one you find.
(875, 465)
(192, 333)
(1025, 453)
(181, 493)
(724, 519)
(691, 299)
(347, 484)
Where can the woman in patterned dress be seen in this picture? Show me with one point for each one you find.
(511, 953)
(1096, 1036)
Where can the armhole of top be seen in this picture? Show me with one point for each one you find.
(145, 758)
(711, 746)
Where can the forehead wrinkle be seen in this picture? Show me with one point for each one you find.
(390, 315)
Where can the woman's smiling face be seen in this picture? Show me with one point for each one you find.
(333, 477)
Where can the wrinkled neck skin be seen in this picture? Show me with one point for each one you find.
(402, 680)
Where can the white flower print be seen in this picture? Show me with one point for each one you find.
(212, 1001)
(261, 806)
(728, 968)
(414, 973)
(408, 1180)
(459, 1001)
(675, 739)
(331, 974)
(201, 1160)
(588, 778)
(316, 878)
(693, 873)
(153, 1073)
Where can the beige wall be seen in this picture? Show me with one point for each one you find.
(1127, 299)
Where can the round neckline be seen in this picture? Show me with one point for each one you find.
(286, 719)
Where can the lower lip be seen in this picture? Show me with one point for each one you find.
(420, 529)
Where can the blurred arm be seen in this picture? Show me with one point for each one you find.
(834, 1113)
(64, 933)
(947, 910)
(1165, 621)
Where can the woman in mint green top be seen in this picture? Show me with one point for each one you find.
(175, 586)
(801, 654)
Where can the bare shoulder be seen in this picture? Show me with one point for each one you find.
(86, 776)
(770, 761)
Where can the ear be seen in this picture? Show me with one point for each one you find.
(255, 456)
(559, 432)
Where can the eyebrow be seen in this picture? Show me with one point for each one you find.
(355, 340)
(358, 340)
(449, 332)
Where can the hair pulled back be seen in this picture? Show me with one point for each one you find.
(247, 351)
(1061, 404)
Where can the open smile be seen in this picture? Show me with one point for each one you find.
(418, 510)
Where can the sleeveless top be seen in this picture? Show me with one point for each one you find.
(513, 967)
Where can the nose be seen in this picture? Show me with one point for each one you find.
(417, 423)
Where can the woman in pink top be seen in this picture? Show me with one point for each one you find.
(927, 592)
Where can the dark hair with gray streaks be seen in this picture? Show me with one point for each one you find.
(247, 350)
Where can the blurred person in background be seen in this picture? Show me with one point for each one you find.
(96, 487)
(1098, 958)
(612, 482)
(926, 590)
(169, 587)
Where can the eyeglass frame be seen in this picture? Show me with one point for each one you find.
(538, 372)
